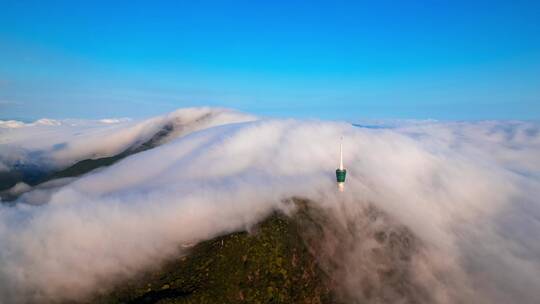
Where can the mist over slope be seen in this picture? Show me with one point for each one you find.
(467, 191)
(28, 152)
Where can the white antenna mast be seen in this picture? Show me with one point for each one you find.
(341, 154)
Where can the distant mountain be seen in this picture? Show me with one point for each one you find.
(33, 175)
(36, 165)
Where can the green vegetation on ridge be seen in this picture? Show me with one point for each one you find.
(269, 265)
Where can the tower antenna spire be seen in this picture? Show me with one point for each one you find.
(341, 154)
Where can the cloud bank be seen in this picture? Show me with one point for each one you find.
(467, 191)
(55, 144)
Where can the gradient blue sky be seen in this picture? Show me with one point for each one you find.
(327, 59)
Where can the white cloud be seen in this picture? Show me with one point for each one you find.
(466, 190)
(53, 144)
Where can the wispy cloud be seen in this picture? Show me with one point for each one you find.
(5, 102)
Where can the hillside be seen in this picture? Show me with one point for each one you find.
(282, 260)
(268, 265)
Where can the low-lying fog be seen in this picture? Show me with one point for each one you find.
(467, 190)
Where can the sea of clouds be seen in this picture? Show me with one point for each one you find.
(467, 190)
(55, 144)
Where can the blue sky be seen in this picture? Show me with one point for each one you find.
(326, 59)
